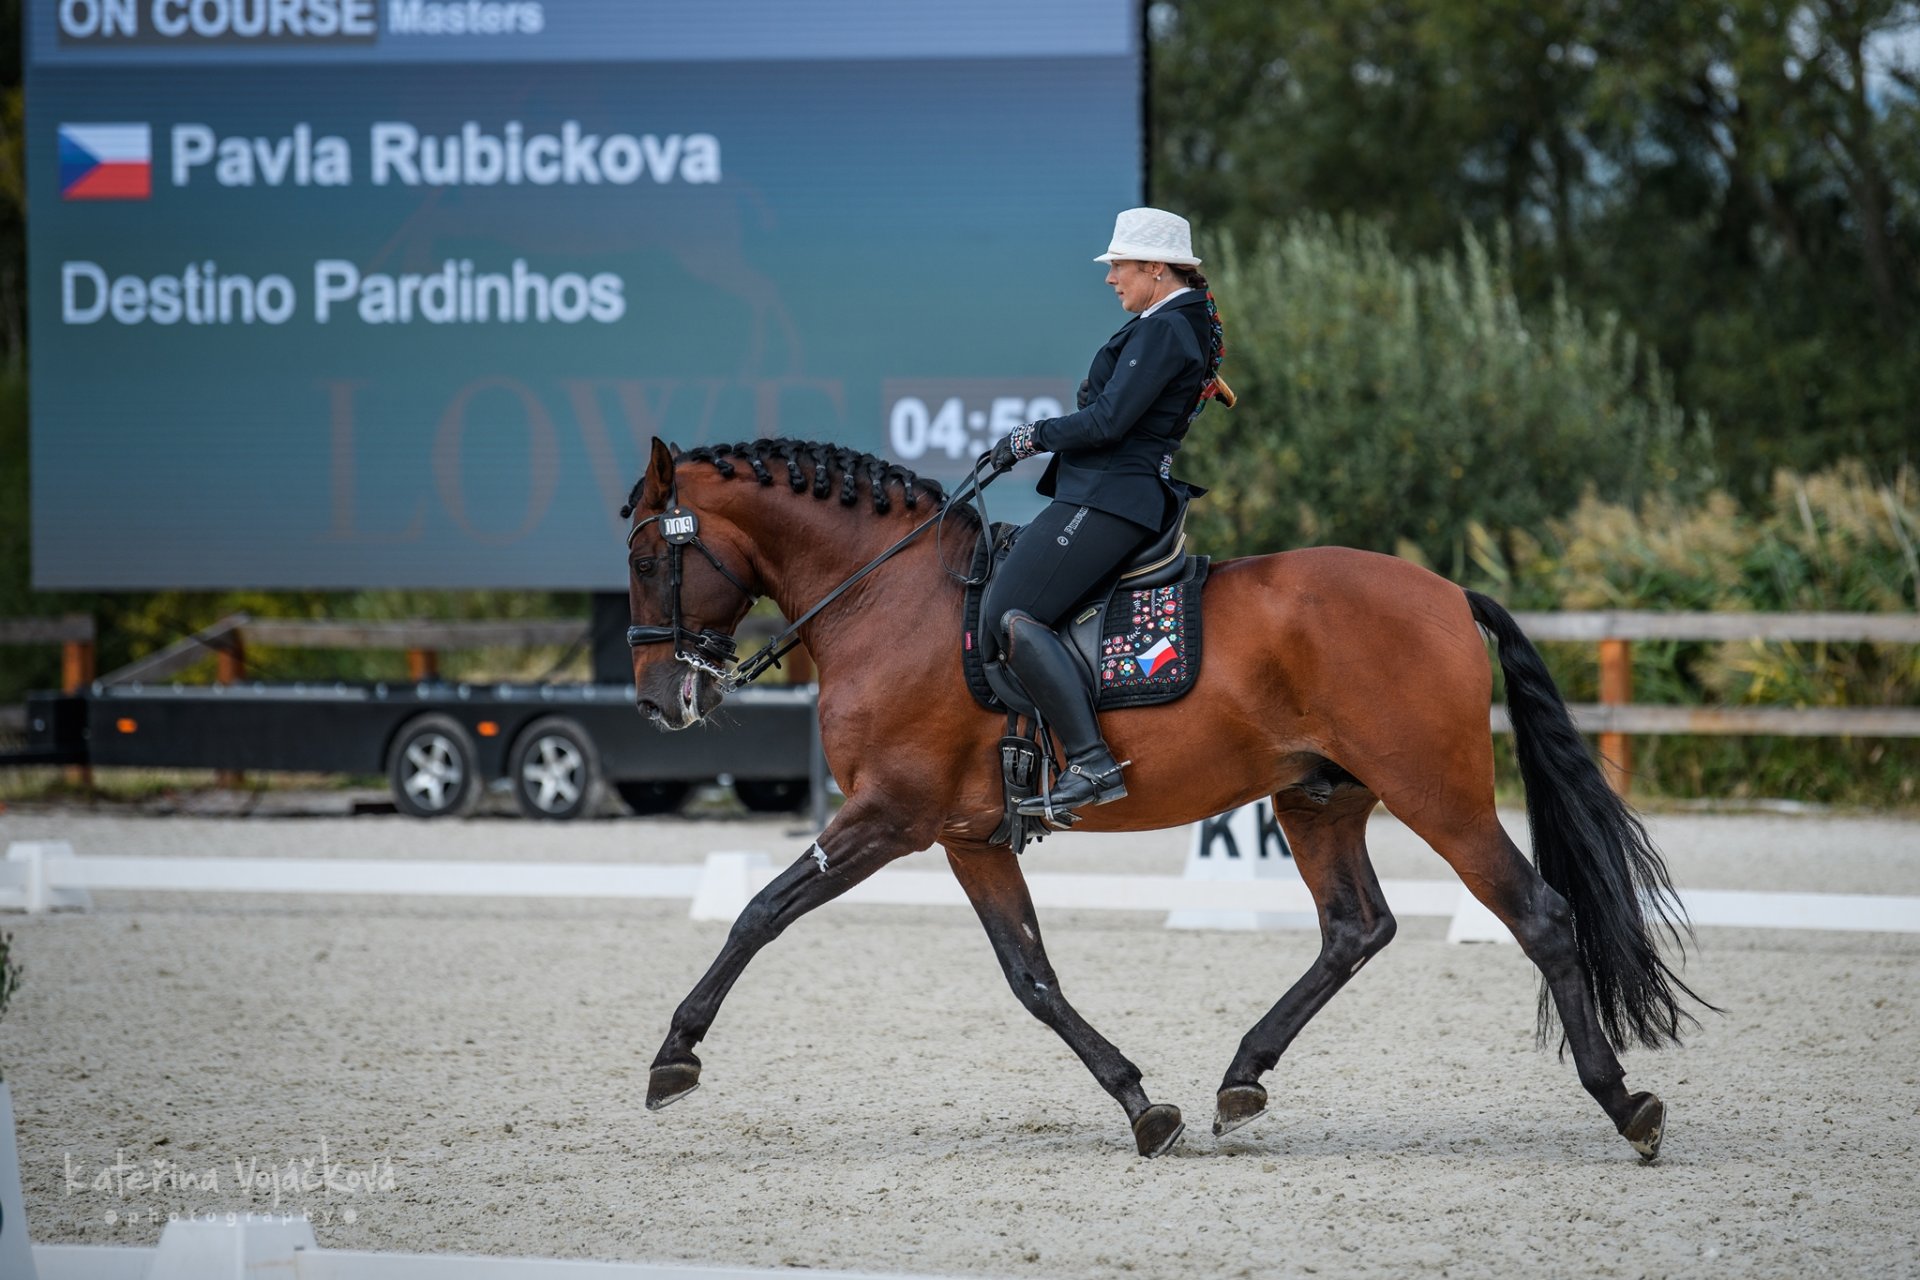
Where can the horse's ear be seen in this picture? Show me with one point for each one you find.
(657, 485)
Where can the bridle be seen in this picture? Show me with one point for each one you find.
(710, 651)
(706, 649)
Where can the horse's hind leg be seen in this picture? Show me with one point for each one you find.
(998, 891)
(1499, 875)
(862, 838)
(1328, 835)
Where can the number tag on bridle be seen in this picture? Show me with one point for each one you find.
(679, 527)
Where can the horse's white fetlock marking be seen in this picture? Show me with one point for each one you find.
(819, 855)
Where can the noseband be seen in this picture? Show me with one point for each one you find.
(705, 650)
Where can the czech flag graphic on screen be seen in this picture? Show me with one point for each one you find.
(106, 161)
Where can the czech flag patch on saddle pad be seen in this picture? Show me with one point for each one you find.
(1151, 649)
(1157, 657)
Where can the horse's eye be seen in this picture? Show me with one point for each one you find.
(644, 565)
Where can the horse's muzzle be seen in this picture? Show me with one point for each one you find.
(682, 697)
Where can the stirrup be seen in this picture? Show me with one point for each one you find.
(1078, 788)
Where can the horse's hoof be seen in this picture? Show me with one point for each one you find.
(1238, 1104)
(671, 1083)
(1157, 1129)
(1646, 1126)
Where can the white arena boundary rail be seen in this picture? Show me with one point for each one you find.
(45, 875)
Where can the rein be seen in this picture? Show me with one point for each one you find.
(710, 648)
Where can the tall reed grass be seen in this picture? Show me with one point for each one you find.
(1836, 541)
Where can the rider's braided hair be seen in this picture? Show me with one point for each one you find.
(836, 469)
(1216, 335)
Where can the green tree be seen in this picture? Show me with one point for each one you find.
(1738, 179)
(13, 194)
(1393, 401)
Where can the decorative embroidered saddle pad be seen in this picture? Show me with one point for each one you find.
(1140, 647)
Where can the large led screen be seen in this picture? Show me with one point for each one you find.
(336, 293)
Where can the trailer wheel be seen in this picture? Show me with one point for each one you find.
(648, 798)
(555, 770)
(431, 768)
(772, 795)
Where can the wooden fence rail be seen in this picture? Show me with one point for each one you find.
(230, 637)
(1626, 624)
(72, 632)
(1616, 717)
(72, 628)
(327, 634)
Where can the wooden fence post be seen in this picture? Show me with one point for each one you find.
(1616, 690)
(423, 664)
(76, 665)
(231, 659)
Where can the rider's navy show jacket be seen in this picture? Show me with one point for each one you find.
(1113, 455)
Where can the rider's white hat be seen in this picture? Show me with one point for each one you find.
(1151, 235)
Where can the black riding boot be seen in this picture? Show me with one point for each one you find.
(1039, 659)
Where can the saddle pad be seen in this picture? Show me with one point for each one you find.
(1149, 648)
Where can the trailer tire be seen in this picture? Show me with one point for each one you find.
(433, 768)
(555, 771)
(648, 798)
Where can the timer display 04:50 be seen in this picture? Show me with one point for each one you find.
(915, 428)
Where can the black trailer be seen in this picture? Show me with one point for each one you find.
(440, 744)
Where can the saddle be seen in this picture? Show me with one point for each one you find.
(1137, 639)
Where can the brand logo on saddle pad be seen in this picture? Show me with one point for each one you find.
(106, 161)
(1158, 656)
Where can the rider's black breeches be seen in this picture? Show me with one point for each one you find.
(1066, 552)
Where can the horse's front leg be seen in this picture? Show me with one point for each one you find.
(994, 884)
(858, 842)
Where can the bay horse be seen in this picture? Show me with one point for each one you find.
(1332, 679)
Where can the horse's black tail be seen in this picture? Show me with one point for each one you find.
(1593, 851)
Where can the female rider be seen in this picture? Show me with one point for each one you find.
(1110, 480)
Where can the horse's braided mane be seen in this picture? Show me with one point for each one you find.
(837, 471)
